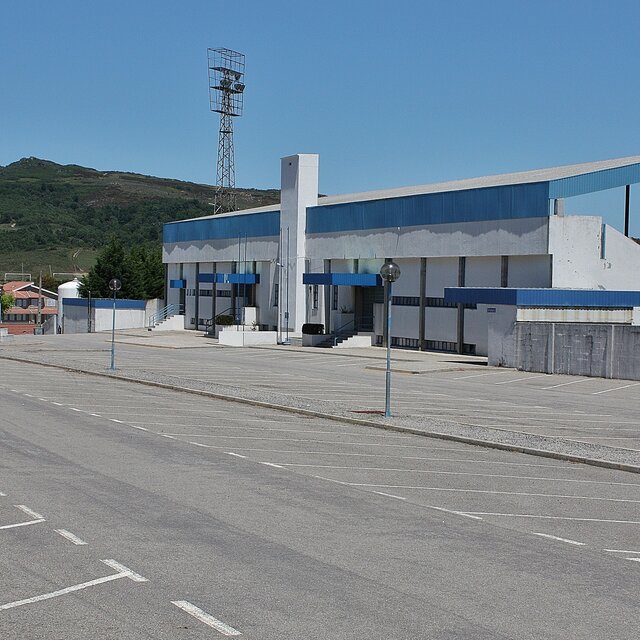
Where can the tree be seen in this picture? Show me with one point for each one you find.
(140, 271)
(111, 263)
(7, 300)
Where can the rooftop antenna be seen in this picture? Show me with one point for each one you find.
(226, 93)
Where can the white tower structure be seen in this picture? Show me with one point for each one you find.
(66, 290)
(299, 190)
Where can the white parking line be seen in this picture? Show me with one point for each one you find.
(518, 380)
(619, 551)
(540, 517)
(123, 573)
(566, 384)
(70, 536)
(633, 559)
(487, 491)
(206, 618)
(567, 540)
(459, 473)
(237, 455)
(626, 386)
(272, 464)
(29, 512)
(21, 524)
(3, 495)
(389, 495)
(480, 375)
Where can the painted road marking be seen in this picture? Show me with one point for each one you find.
(619, 551)
(567, 540)
(626, 386)
(633, 559)
(480, 375)
(115, 420)
(206, 618)
(21, 524)
(389, 495)
(199, 444)
(69, 536)
(272, 464)
(95, 415)
(78, 410)
(29, 512)
(3, 495)
(460, 473)
(528, 515)
(425, 506)
(124, 571)
(237, 455)
(487, 491)
(565, 384)
(133, 426)
(518, 379)
(127, 573)
(165, 435)
(58, 404)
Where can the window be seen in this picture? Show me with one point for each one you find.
(334, 297)
(314, 295)
(206, 293)
(223, 293)
(406, 301)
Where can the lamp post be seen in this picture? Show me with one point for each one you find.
(115, 285)
(389, 272)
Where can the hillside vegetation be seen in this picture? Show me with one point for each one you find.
(56, 217)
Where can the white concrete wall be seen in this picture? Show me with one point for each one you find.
(190, 300)
(525, 236)
(585, 259)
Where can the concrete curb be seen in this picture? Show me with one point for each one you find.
(596, 462)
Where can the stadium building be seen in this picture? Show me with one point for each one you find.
(316, 259)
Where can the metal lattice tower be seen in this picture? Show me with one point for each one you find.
(226, 92)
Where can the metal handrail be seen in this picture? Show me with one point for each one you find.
(163, 314)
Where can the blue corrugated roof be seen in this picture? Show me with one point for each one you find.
(251, 225)
(572, 298)
(104, 303)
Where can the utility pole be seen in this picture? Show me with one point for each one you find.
(39, 321)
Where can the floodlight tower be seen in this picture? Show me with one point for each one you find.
(226, 91)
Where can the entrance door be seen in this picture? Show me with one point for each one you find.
(364, 299)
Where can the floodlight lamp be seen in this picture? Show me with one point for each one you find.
(390, 271)
(239, 87)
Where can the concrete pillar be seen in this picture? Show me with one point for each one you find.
(299, 190)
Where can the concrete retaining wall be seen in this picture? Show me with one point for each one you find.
(601, 350)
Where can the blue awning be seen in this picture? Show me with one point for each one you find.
(343, 279)
(230, 278)
(553, 298)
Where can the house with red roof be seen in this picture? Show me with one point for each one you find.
(29, 302)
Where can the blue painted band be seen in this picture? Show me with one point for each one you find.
(104, 303)
(251, 225)
(554, 298)
(343, 279)
(177, 284)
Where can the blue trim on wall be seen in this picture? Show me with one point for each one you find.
(594, 181)
(470, 205)
(177, 284)
(252, 225)
(104, 303)
(343, 279)
(230, 278)
(572, 298)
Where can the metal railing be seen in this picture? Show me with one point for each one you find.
(164, 313)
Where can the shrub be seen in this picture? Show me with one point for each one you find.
(224, 320)
(311, 329)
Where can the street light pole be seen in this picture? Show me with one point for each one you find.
(115, 285)
(389, 272)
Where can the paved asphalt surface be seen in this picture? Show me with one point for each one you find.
(202, 518)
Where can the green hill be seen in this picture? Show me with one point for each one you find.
(56, 217)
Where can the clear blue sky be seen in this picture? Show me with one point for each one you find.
(388, 93)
